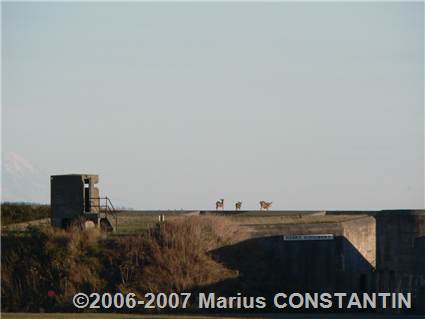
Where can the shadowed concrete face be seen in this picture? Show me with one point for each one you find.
(401, 253)
(358, 230)
(268, 265)
(376, 252)
(72, 196)
(343, 262)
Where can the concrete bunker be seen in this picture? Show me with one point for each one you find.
(337, 251)
(316, 256)
(75, 200)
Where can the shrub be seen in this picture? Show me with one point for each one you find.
(43, 260)
(12, 213)
(174, 256)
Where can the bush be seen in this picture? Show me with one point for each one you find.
(12, 213)
(43, 260)
(172, 257)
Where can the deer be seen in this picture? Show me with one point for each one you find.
(219, 203)
(238, 205)
(265, 205)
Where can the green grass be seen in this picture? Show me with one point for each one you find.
(130, 222)
(21, 227)
(138, 221)
(133, 222)
(12, 213)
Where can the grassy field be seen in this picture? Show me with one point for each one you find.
(136, 221)
(129, 222)
(13, 213)
(132, 222)
(139, 316)
(22, 226)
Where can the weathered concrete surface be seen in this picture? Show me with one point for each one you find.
(271, 264)
(400, 240)
(70, 198)
(361, 233)
(358, 230)
(343, 263)
(381, 251)
(264, 212)
(400, 254)
(265, 230)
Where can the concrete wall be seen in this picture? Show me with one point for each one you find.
(67, 197)
(361, 233)
(400, 242)
(375, 251)
(344, 263)
(263, 230)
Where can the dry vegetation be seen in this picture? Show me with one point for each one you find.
(145, 256)
(21, 227)
(135, 222)
(173, 256)
(13, 213)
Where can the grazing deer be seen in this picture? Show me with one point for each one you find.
(238, 205)
(265, 205)
(219, 203)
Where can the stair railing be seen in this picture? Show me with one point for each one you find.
(107, 208)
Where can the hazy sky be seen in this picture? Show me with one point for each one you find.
(308, 105)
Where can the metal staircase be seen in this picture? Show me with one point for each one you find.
(108, 219)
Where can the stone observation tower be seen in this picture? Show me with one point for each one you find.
(75, 201)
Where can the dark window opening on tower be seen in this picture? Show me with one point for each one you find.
(87, 201)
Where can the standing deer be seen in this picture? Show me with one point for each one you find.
(219, 203)
(265, 205)
(238, 205)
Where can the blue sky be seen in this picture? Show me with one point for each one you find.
(174, 105)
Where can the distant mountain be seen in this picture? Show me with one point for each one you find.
(22, 181)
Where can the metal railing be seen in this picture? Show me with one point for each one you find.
(105, 206)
